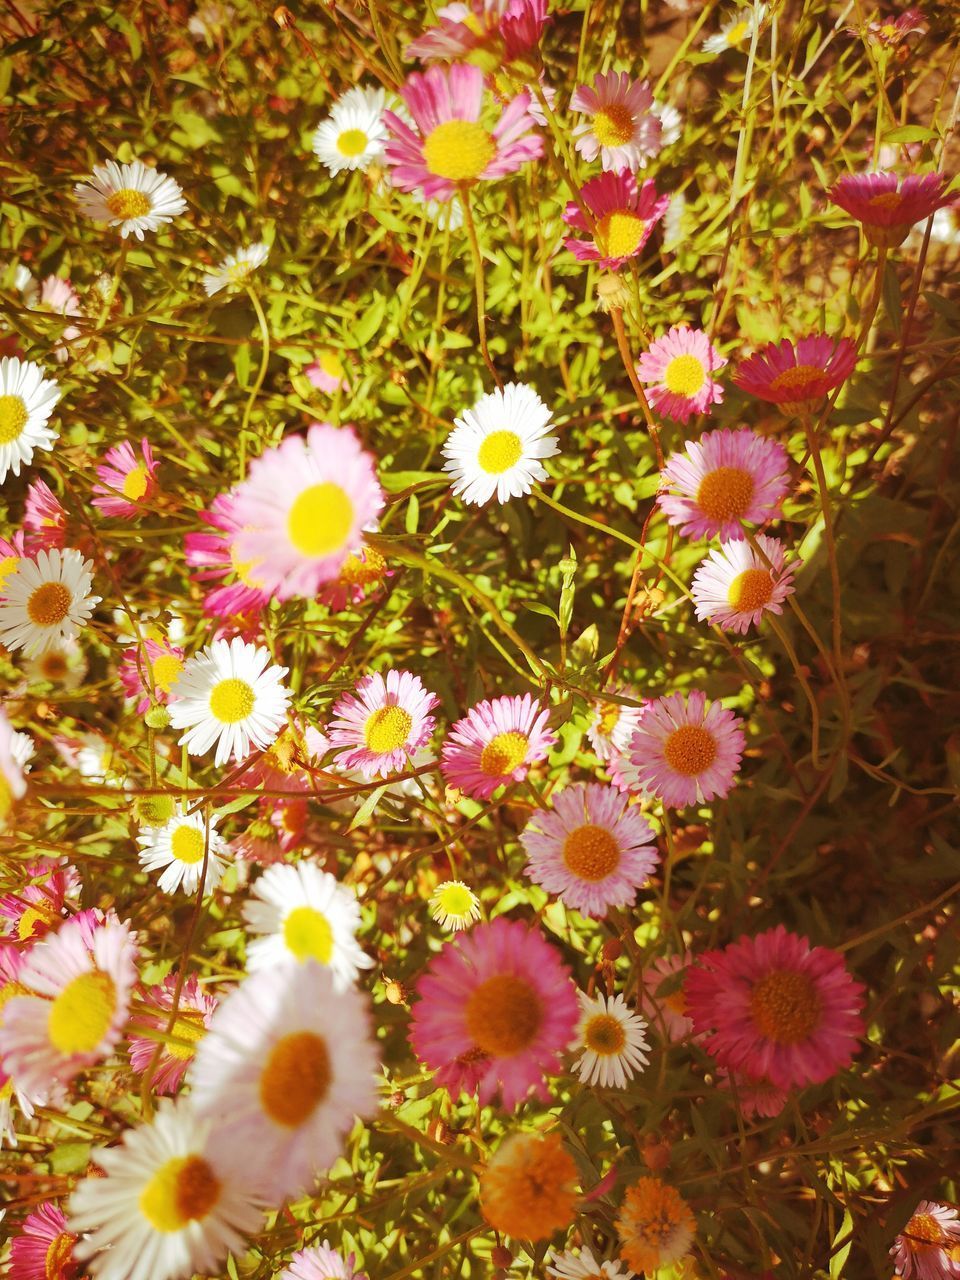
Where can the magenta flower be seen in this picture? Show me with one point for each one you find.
(623, 214)
(214, 558)
(734, 587)
(43, 1249)
(887, 206)
(927, 1245)
(509, 28)
(194, 1011)
(165, 661)
(383, 725)
(522, 26)
(796, 376)
(681, 365)
(495, 743)
(50, 888)
(448, 144)
(126, 481)
(44, 518)
(623, 129)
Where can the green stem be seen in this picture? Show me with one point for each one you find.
(258, 383)
(478, 281)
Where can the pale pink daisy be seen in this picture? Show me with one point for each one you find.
(495, 1010)
(320, 1262)
(928, 1247)
(326, 373)
(59, 296)
(164, 662)
(494, 743)
(774, 1007)
(44, 518)
(623, 214)
(460, 29)
(796, 376)
(127, 482)
(448, 146)
(623, 129)
(756, 1096)
(662, 999)
(51, 888)
(593, 849)
(303, 509)
(43, 1248)
(684, 751)
(887, 206)
(722, 479)
(681, 365)
(613, 723)
(734, 586)
(383, 724)
(213, 558)
(194, 1011)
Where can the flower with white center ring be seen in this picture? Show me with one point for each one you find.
(454, 905)
(234, 270)
(27, 400)
(384, 725)
(497, 446)
(46, 601)
(230, 695)
(734, 586)
(304, 914)
(131, 197)
(610, 1040)
(354, 133)
(178, 849)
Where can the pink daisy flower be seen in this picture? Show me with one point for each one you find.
(51, 887)
(363, 571)
(448, 146)
(662, 997)
(796, 376)
(43, 1250)
(213, 558)
(327, 373)
(624, 215)
(303, 509)
(194, 1011)
(126, 481)
(494, 743)
(59, 296)
(721, 479)
(74, 1015)
(733, 587)
(680, 365)
(756, 1097)
(460, 29)
(613, 723)
(594, 850)
(321, 1263)
(383, 724)
(44, 518)
(522, 26)
(496, 1009)
(12, 551)
(927, 1246)
(773, 1007)
(289, 761)
(623, 129)
(887, 206)
(685, 750)
(165, 661)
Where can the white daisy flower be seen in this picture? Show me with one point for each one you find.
(352, 136)
(229, 695)
(22, 748)
(210, 19)
(46, 601)
(27, 400)
(178, 847)
(671, 122)
(584, 1266)
(303, 914)
(130, 196)
(611, 1041)
(235, 268)
(496, 446)
(736, 31)
(454, 905)
(170, 1205)
(287, 1064)
(447, 214)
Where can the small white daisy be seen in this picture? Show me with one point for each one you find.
(584, 1266)
(170, 1205)
(130, 196)
(229, 695)
(736, 31)
(671, 122)
(610, 1040)
(496, 447)
(46, 601)
(454, 905)
(235, 268)
(352, 136)
(27, 400)
(447, 214)
(178, 847)
(63, 665)
(303, 914)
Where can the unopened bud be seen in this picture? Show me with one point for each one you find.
(157, 718)
(283, 17)
(398, 377)
(153, 811)
(612, 293)
(500, 1256)
(612, 949)
(656, 1155)
(395, 993)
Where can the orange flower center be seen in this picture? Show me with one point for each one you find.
(887, 201)
(725, 493)
(785, 1006)
(750, 590)
(58, 1262)
(49, 604)
(690, 750)
(613, 125)
(924, 1230)
(604, 1034)
(183, 1190)
(799, 380)
(503, 1015)
(591, 852)
(296, 1078)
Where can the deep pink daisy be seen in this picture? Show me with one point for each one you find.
(213, 558)
(887, 206)
(127, 482)
(927, 1246)
(12, 551)
(721, 479)
(460, 29)
(44, 518)
(624, 215)
(594, 849)
(165, 662)
(494, 743)
(684, 750)
(43, 1249)
(796, 376)
(734, 587)
(383, 725)
(448, 145)
(775, 1008)
(496, 1008)
(51, 887)
(194, 1011)
(681, 365)
(623, 130)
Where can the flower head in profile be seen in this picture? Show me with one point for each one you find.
(613, 723)
(736, 31)
(354, 133)
(623, 215)
(796, 376)
(735, 586)
(494, 743)
(505, 29)
(528, 1186)
(320, 1262)
(497, 447)
(130, 196)
(927, 1246)
(149, 672)
(44, 518)
(127, 481)
(655, 1226)
(679, 366)
(378, 729)
(46, 601)
(49, 890)
(887, 206)
(236, 268)
(177, 850)
(610, 1040)
(623, 129)
(194, 1010)
(583, 1266)
(43, 1247)
(454, 905)
(213, 558)
(27, 399)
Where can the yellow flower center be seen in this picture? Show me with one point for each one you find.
(128, 204)
(887, 200)
(296, 1078)
(49, 604)
(135, 483)
(684, 375)
(42, 915)
(676, 1002)
(499, 452)
(352, 142)
(613, 125)
(591, 853)
(619, 233)
(244, 569)
(59, 1257)
(13, 418)
(386, 730)
(922, 1231)
(188, 1026)
(330, 363)
(166, 671)
(282, 754)
(8, 565)
(320, 520)
(458, 150)
(6, 798)
(503, 754)
(357, 571)
(725, 493)
(454, 900)
(797, 380)
(608, 719)
(503, 1015)
(307, 935)
(183, 1190)
(7, 992)
(605, 1035)
(231, 700)
(750, 590)
(738, 33)
(187, 844)
(785, 1006)
(690, 749)
(81, 1014)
